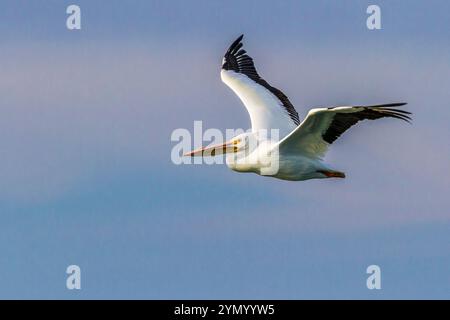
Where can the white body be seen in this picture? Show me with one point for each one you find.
(268, 159)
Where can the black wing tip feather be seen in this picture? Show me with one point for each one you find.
(386, 110)
(389, 110)
(232, 49)
(343, 121)
(389, 105)
(236, 59)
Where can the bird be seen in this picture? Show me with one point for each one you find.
(278, 144)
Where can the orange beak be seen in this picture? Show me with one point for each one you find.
(214, 150)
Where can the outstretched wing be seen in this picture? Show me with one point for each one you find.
(269, 108)
(323, 126)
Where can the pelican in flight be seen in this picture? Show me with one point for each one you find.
(278, 144)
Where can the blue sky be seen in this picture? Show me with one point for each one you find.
(86, 176)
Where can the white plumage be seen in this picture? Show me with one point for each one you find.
(265, 109)
(278, 144)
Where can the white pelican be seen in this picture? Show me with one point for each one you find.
(296, 154)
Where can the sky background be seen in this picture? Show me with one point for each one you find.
(86, 176)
